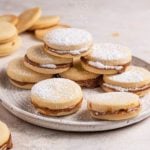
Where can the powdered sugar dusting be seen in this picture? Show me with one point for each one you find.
(102, 66)
(129, 76)
(111, 98)
(68, 36)
(109, 51)
(57, 89)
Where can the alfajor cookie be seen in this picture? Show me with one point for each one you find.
(135, 80)
(68, 42)
(45, 22)
(28, 18)
(107, 58)
(81, 76)
(38, 60)
(10, 47)
(8, 32)
(41, 32)
(21, 76)
(9, 18)
(56, 97)
(113, 105)
(5, 137)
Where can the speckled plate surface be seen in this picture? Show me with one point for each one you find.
(18, 103)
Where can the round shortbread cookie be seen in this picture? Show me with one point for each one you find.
(110, 54)
(66, 39)
(9, 18)
(56, 94)
(41, 32)
(5, 137)
(133, 77)
(7, 32)
(10, 47)
(81, 76)
(28, 18)
(45, 22)
(113, 105)
(39, 61)
(107, 58)
(23, 76)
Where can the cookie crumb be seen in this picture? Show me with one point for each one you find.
(115, 34)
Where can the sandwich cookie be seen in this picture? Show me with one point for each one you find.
(28, 18)
(135, 79)
(68, 42)
(21, 76)
(81, 76)
(5, 137)
(45, 22)
(113, 105)
(10, 47)
(8, 32)
(39, 33)
(38, 60)
(9, 18)
(107, 58)
(56, 97)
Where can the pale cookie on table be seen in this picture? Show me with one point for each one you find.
(8, 32)
(22, 77)
(38, 60)
(68, 42)
(56, 97)
(107, 58)
(28, 18)
(135, 80)
(113, 105)
(5, 137)
(39, 34)
(10, 47)
(81, 76)
(45, 22)
(9, 18)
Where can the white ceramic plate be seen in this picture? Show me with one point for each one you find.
(18, 103)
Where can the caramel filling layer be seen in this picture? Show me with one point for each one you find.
(121, 111)
(100, 66)
(90, 83)
(64, 52)
(121, 89)
(57, 111)
(21, 83)
(47, 66)
(7, 145)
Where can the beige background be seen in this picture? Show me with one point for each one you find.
(131, 20)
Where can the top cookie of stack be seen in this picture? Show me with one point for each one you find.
(68, 42)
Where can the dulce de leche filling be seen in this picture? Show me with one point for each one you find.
(120, 111)
(100, 66)
(7, 145)
(121, 89)
(57, 111)
(64, 52)
(90, 83)
(46, 66)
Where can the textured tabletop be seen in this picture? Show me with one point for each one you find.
(125, 22)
